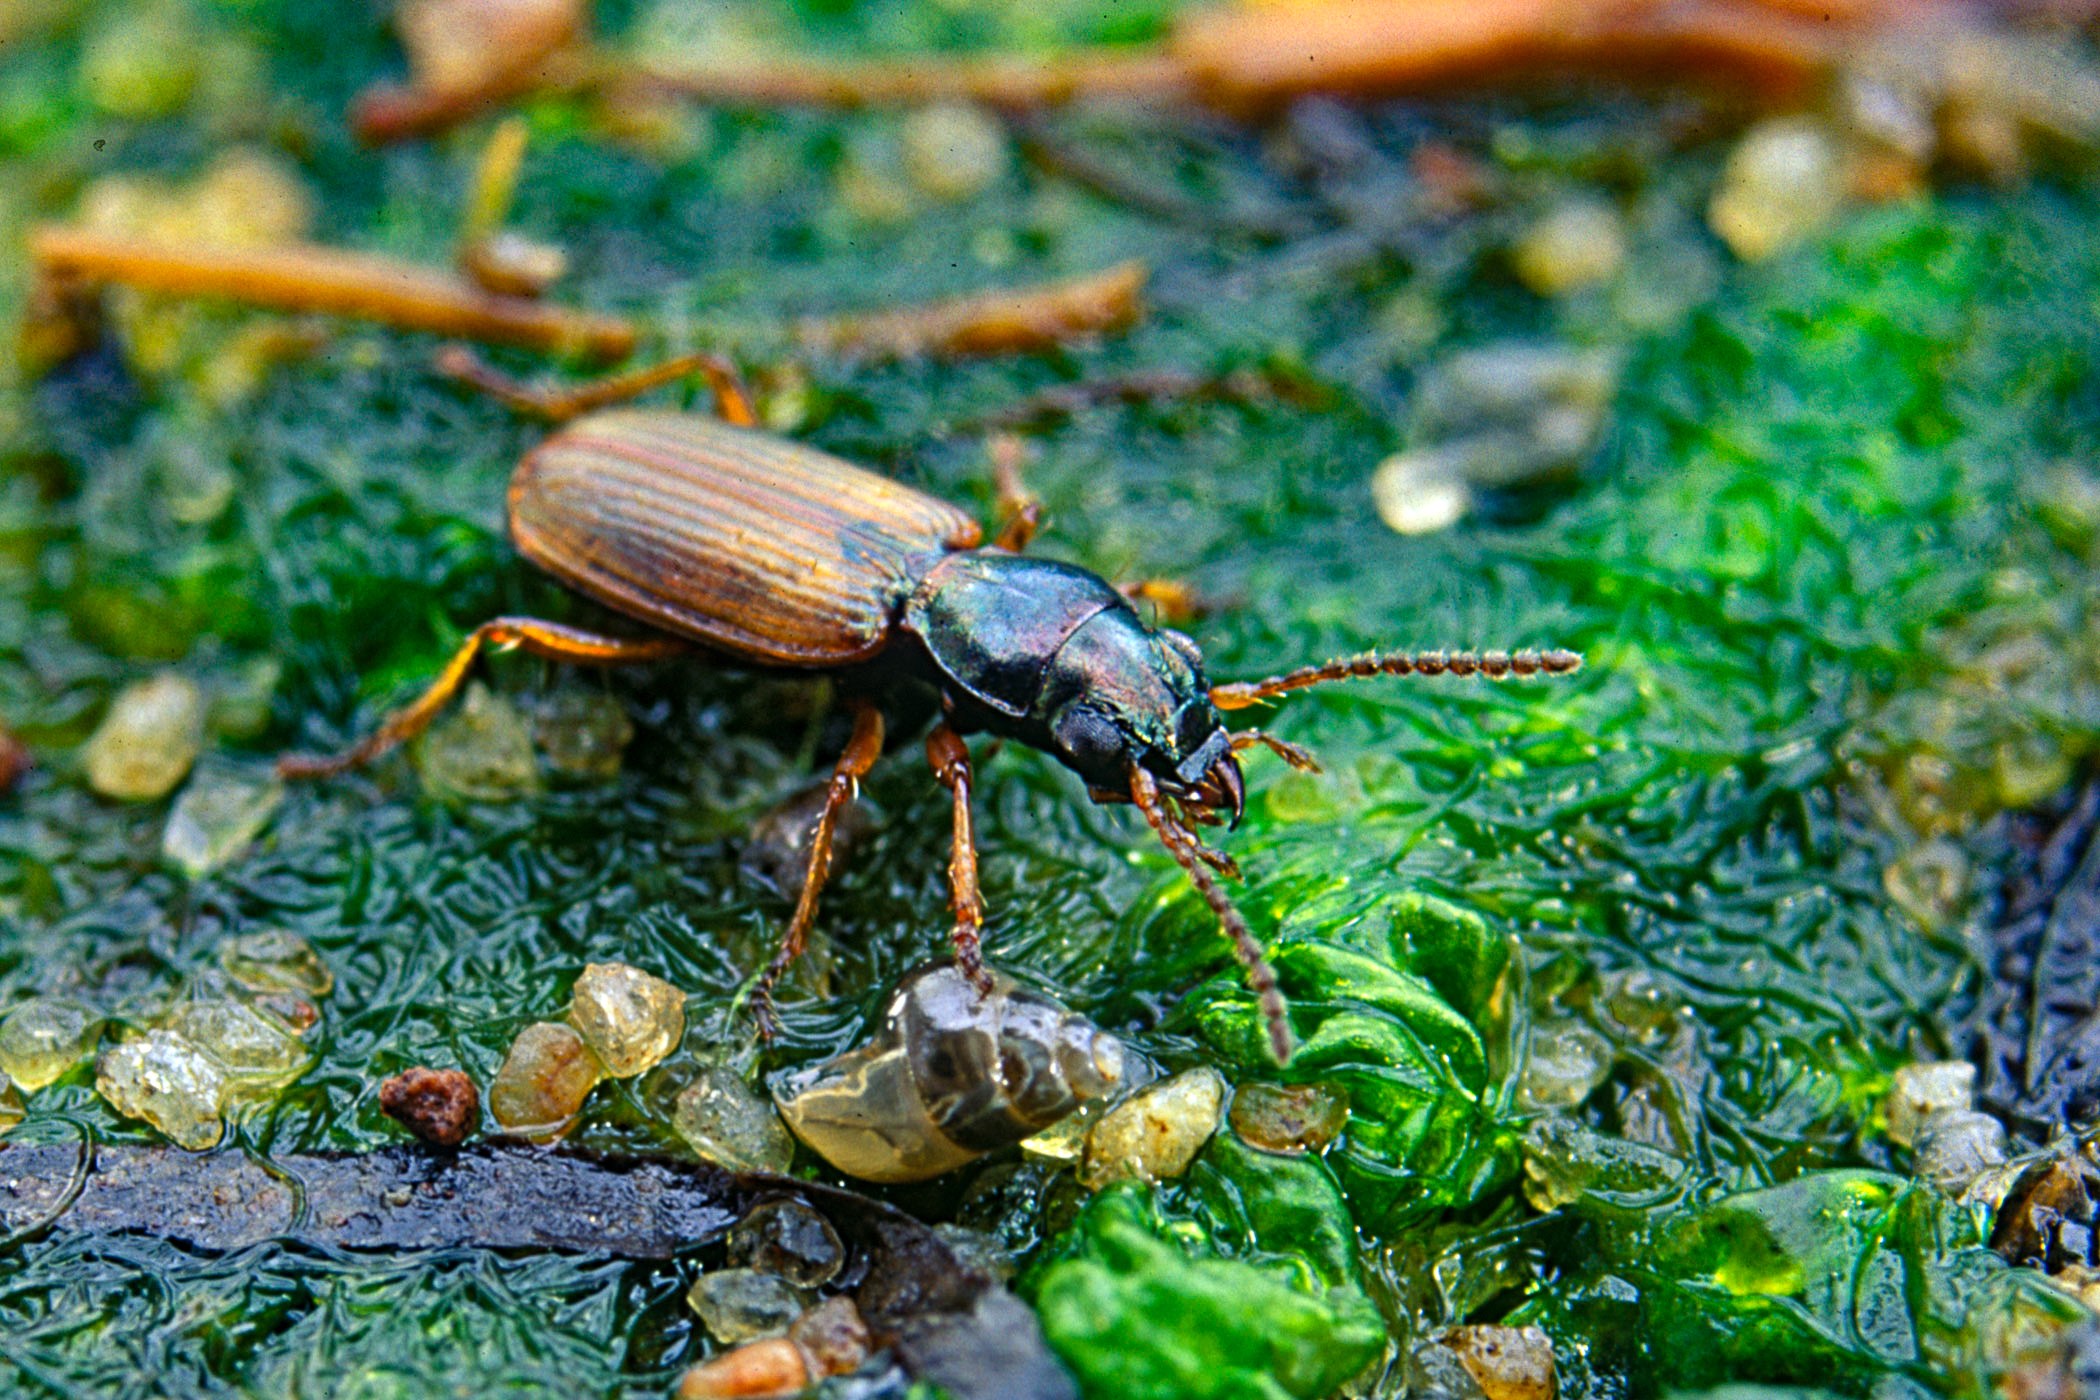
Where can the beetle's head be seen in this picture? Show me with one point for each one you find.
(1131, 696)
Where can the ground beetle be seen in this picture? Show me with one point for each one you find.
(770, 554)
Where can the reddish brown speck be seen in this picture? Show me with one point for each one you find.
(439, 1106)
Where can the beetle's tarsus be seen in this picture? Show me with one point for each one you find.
(1494, 665)
(1261, 978)
(553, 640)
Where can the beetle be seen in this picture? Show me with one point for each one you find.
(765, 553)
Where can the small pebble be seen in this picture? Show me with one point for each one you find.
(727, 1124)
(1954, 1148)
(510, 264)
(1155, 1133)
(833, 1337)
(1291, 1118)
(169, 1083)
(1783, 183)
(458, 45)
(1421, 491)
(1507, 1363)
(630, 1019)
(1566, 1063)
(1919, 1091)
(481, 752)
(544, 1080)
(953, 151)
(275, 960)
(583, 733)
(787, 1238)
(773, 1368)
(216, 818)
(139, 62)
(738, 1305)
(439, 1106)
(250, 198)
(1510, 383)
(43, 1038)
(256, 1053)
(1579, 243)
(149, 739)
(11, 1110)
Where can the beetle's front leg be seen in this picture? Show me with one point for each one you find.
(552, 640)
(950, 758)
(862, 749)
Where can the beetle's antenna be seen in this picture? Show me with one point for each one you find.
(1494, 665)
(1260, 976)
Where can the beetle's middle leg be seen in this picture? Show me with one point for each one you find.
(552, 640)
(950, 758)
(732, 399)
(862, 749)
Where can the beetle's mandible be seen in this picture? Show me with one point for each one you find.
(770, 554)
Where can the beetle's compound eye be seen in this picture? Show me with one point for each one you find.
(1090, 742)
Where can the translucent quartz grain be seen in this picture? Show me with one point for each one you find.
(583, 733)
(43, 1038)
(481, 752)
(544, 1080)
(257, 1053)
(630, 1019)
(275, 960)
(790, 1240)
(216, 818)
(1155, 1133)
(740, 1304)
(149, 739)
(1289, 1118)
(727, 1124)
(1920, 1091)
(170, 1083)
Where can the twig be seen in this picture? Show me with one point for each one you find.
(329, 281)
(1004, 322)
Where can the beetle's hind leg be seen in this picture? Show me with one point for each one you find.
(1020, 508)
(559, 404)
(549, 639)
(862, 749)
(950, 758)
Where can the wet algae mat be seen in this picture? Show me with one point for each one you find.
(1831, 566)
